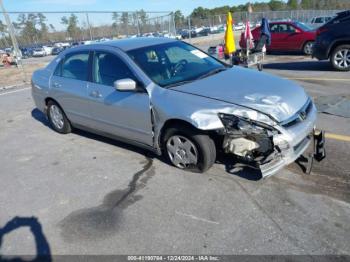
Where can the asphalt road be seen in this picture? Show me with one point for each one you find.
(93, 195)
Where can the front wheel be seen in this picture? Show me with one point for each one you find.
(188, 149)
(308, 46)
(340, 58)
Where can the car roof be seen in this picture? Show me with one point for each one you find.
(127, 44)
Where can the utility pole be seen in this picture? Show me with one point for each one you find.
(13, 39)
(10, 29)
(88, 22)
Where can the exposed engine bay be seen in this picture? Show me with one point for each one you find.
(248, 141)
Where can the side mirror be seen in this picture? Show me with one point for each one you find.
(297, 31)
(126, 84)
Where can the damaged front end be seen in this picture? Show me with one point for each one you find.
(251, 142)
(266, 147)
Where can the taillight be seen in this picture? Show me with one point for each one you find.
(321, 30)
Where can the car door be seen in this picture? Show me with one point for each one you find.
(68, 86)
(276, 37)
(294, 39)
(125, 114)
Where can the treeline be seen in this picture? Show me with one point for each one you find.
(33, 28)
(273, 5)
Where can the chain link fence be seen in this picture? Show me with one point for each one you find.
(36, 30)
(47, 28)
(304, 16)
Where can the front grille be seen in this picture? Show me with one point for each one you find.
(297, 117)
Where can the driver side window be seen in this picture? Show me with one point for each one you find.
(107, 68)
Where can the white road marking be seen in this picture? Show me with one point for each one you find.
(14, 91)
(197, 218)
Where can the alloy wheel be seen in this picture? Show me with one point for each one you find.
(308, 48)
(182, 152)
(342, 58)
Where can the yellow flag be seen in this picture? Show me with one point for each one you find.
(230, 45)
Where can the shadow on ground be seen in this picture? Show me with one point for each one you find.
(301, 66)
(43, 252)
(232, 167)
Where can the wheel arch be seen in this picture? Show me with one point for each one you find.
(176, 122)
(172, 123)
(48, 99)
(337, 43)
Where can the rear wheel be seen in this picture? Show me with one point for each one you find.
(340, 58)
(188, 149)
(308, 46)
(57, 118)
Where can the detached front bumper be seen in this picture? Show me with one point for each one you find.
(316, 138)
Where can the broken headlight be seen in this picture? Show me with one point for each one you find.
(233, 122)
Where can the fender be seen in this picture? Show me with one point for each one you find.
(344, 40)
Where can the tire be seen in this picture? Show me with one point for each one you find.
(307, 48)
(57, 118)
(204, 149)
(337, 60)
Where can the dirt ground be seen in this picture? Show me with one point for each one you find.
(13, 76)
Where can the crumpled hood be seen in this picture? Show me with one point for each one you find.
(266, 93)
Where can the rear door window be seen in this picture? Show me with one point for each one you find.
(75, 66)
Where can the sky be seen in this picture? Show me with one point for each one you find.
(186, 6)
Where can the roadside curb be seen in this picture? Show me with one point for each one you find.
(3, 88)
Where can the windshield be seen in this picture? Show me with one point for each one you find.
(174, 63)
(303, 26)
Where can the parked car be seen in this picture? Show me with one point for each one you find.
(317, 21)
(174, 99)
(204, 32)
(48, 49)
(333, 42)
(287, 36)
(239, 26)
(57, 50)
(39, 52)
(26, 52)
(185, 33)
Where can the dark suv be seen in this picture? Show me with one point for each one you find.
(333, 42)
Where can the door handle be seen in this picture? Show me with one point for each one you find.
(56, 85)
(95, 94)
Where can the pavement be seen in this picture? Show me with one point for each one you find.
(93, 195)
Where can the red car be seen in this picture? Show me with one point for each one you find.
(287, 36)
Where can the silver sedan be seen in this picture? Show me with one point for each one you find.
(174, 99)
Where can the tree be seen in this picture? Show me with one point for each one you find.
(178, 18)
(2, 27)
(293, 4)
(142, 17)
(200, 12)
(306, 4)
(72, 25)
(52, 27)
(27, 25)
(3, 30)
(276, 5)
(115, 18)
(125, 22)
(44, 30)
